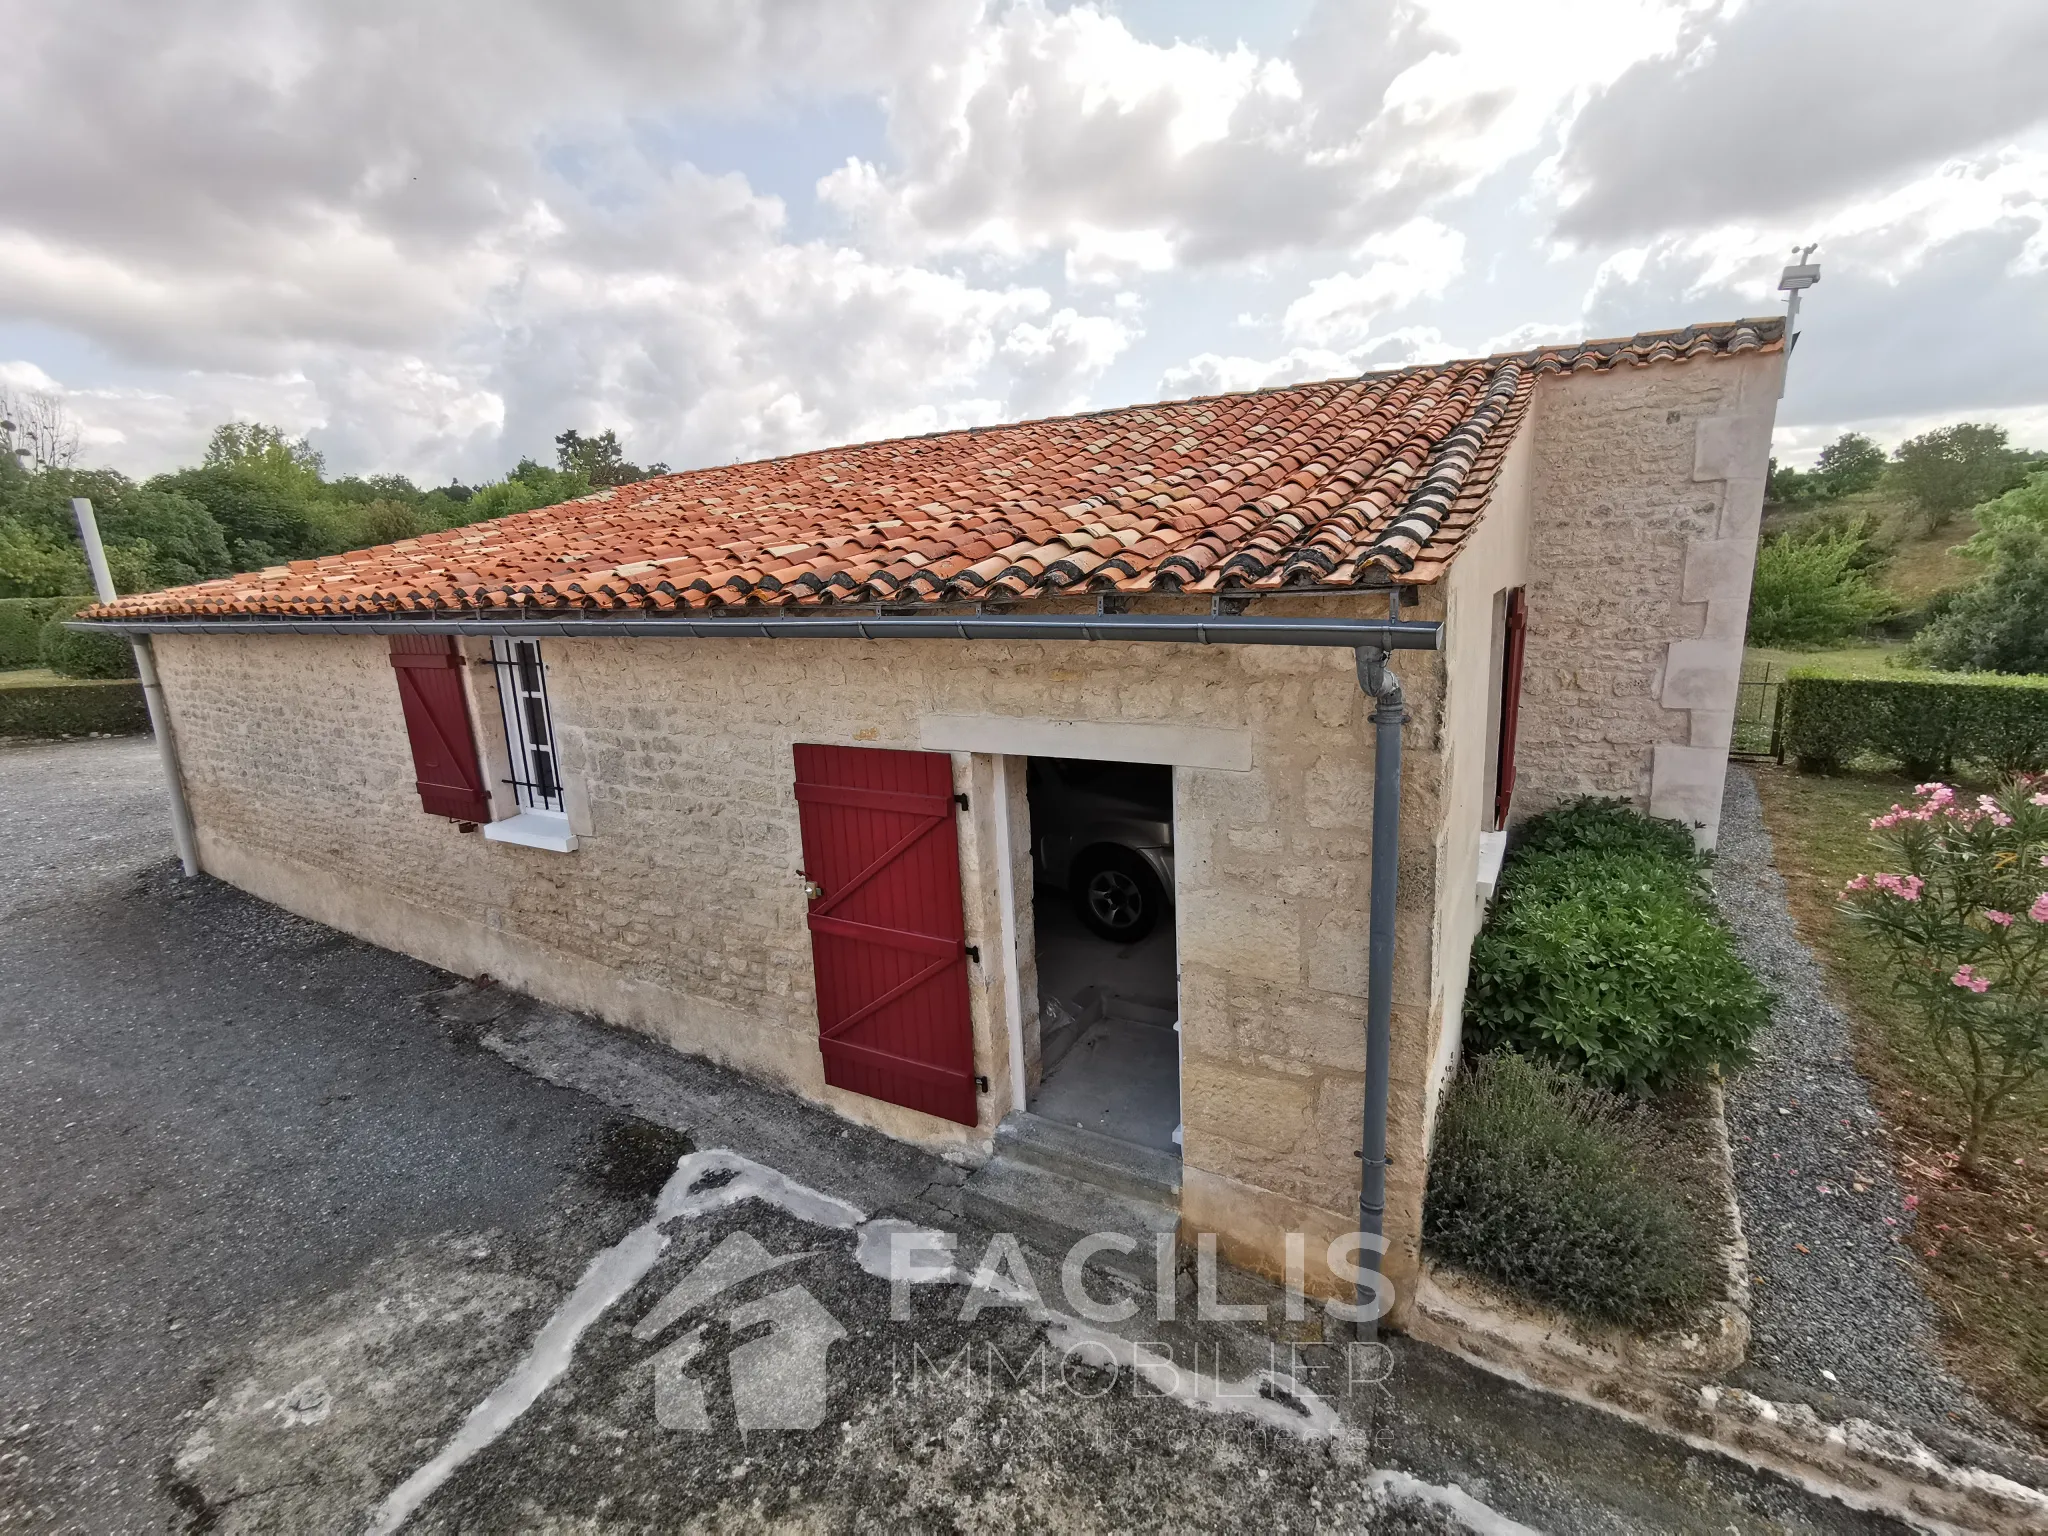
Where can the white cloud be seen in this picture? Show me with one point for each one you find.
(1420, 258)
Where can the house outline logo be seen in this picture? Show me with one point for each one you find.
(779, 1379)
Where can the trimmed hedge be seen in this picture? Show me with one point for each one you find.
(73, 709)
(1926, 722)
(1604, 954)
(21, 626)
(86, 653)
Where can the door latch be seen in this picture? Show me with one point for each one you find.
(813, 890)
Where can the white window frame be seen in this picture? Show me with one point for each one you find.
(532, 750)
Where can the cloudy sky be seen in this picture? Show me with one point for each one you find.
(432, 233)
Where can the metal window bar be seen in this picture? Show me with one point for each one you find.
(529, 725)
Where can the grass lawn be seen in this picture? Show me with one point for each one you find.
(1842, 661)
(1982, 1243)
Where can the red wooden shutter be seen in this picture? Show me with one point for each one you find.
(1510, 702)
(451, 783)
(887, 941)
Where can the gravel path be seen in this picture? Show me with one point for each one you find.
(1838, 1306)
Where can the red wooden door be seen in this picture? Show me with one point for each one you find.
(444, 761)
(887, 941)
(1512, 646)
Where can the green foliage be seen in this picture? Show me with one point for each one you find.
(1809, 590)
(73, 709)
(151, 538)
(1851, 463)
(1537, 1182)
(1961, 920)
(83, 653)
(1603, 953)
(1926, 722)
(2000, 624)
(263, 520)
(529, 486)
(1956, 467)
(287, 463)
(1591, 825)
(21, 626)
(600, 460)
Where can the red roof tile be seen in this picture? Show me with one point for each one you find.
(1311, 486)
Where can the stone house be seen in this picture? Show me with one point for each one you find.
(595, 753)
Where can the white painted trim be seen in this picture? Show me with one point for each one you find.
(1006, 904)
(1185, 746)
(534, 829)
(1493, 848)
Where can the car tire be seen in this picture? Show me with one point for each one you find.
(1115, 893)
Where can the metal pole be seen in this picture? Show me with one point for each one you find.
(152, 690)
(1387, 719)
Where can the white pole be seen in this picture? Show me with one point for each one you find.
(152, 690)
(1006, 905)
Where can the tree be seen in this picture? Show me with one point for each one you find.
(2000, 624)
(1851, 463)
(39, 431)
(289, 463)
(1949, 470)
(264, 521)
(1809, 591)
(600, 459)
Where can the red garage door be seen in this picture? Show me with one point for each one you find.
(886, 935)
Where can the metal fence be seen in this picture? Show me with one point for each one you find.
(1759, 712)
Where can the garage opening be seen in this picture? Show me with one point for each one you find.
(1108, 974)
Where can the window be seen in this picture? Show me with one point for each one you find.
(530, 748)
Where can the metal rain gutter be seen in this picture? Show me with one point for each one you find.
(1369, 639)
(1171, 629)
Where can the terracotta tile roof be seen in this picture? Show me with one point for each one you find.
(1335, 484)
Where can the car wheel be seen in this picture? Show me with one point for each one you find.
(1115, 894)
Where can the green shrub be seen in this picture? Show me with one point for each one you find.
(1591, 824)
(1926, 722)
(73, 709)
(82, 653)
(1603, 953)
(2000, 624)
(1537, 1182)
(1810, 591)
(21, 626)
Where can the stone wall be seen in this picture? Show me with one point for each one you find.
(681, 913)
(1647, 493)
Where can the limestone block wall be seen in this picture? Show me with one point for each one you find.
(1648, 488)
(682, 913)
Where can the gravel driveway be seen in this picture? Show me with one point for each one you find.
(1838, 1305)
(276, 1218)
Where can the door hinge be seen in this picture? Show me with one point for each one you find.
(974, 953)
(961, 801)
(981, 1085)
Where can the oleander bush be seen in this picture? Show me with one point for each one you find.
(1604, 954)
(1540, 1182)
(1925, 722)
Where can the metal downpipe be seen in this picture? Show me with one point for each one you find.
(152, 690)
(1387, 718)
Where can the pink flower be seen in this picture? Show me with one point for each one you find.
(1905, 887)
(2039, 910)
(2003, 919)
(1862, 883)
(1991, 808)
(1911, 1202)
(1935, 794)
(2040, 797)
(1969, 980)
